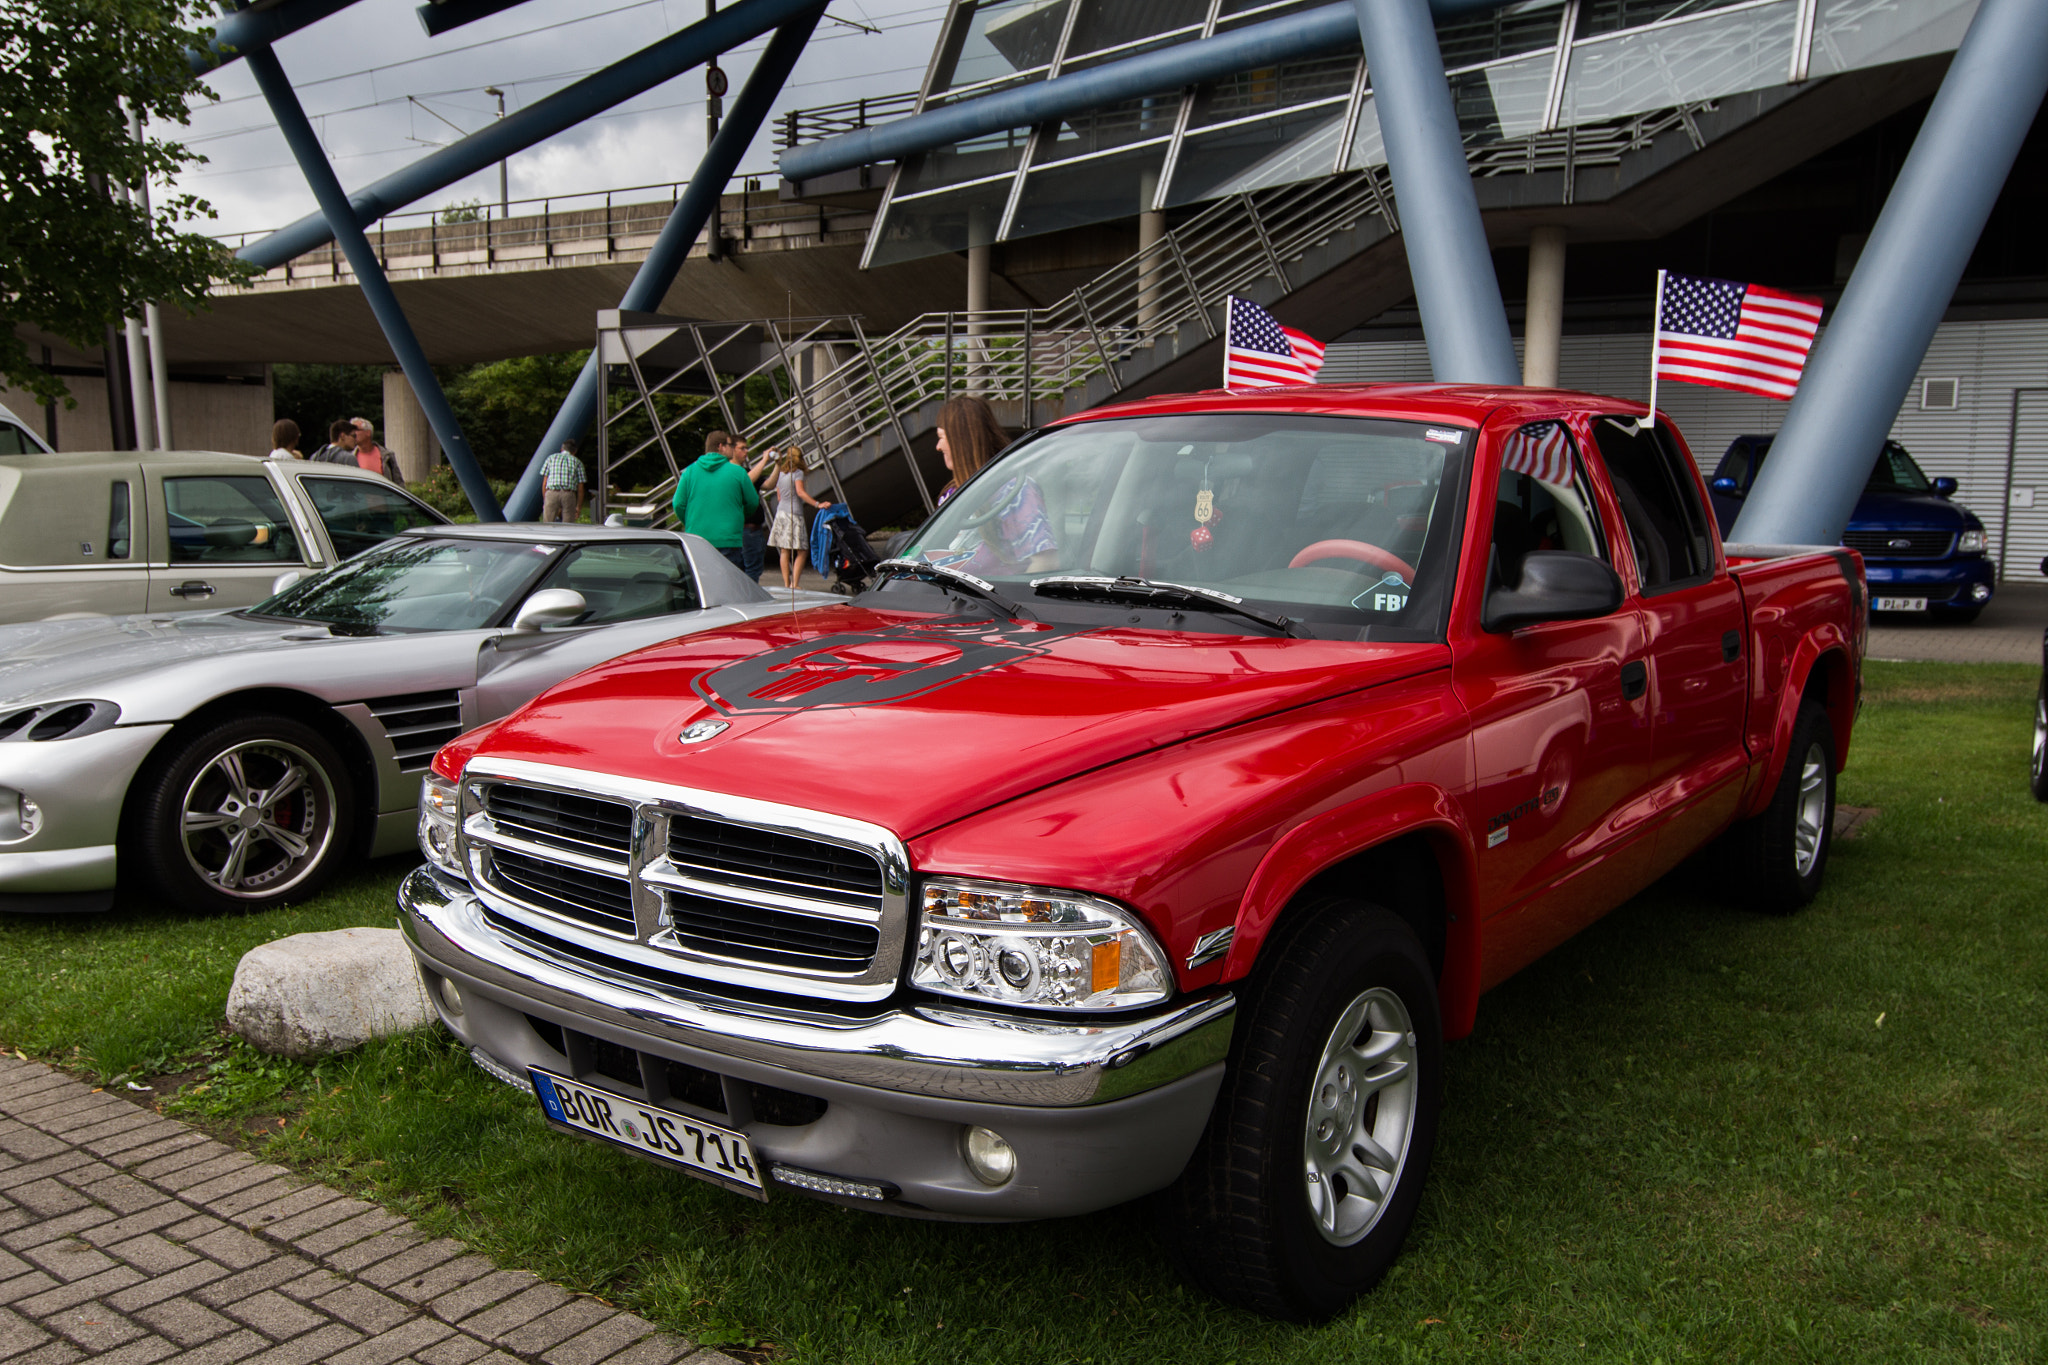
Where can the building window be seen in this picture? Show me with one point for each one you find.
(1938, 395)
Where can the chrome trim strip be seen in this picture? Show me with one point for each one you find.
(948, 1052)
(653, 804)
(484, 830)
(1211, 946)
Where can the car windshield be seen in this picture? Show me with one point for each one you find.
(1342, 524)
(414, 585)
(1895, 472)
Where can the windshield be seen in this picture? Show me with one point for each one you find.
(414, 585)
(1341, 523)
(1895, 472)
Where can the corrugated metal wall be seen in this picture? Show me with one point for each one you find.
(1970, 443)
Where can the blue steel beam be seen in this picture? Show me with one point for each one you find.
(442, 15)
(362, 258)
(1311, 33)
(250, 30)
(1865, 361)
(1463, 319)
(672, 247)
(537, 122)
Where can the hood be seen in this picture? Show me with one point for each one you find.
(90, 656)
(914, 721)
(710, 460)
(1911, 511)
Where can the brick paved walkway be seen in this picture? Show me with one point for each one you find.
(127, 1239)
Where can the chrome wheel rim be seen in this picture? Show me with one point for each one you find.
(2040, 734)
(257, 819)
(1361, 1116)
(1812, 820)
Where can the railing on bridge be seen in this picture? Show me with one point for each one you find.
(830, 120)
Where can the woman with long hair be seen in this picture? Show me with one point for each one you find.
(786, 533)
(1012, 532)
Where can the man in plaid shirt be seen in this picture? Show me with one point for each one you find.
(562, 484)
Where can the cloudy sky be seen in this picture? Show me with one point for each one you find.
(382, 94)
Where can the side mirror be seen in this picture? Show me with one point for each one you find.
(1944, 487)
(1557, 585)
(549, 607)
(285, 580)
(1724, 484)
(2044, 566)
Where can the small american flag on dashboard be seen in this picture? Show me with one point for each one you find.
(1258, 352)
(1732, 336)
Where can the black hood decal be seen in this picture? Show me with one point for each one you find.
(873, 667)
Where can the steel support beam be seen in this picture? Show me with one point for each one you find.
(1859, 372)
(1313, 33)
(537, 122)
(672, 247)
(439, 16)
(1463, 320)
(362, 258)
(251, 30)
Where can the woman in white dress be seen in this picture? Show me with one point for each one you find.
(788, 532)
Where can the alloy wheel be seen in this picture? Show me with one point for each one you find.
(257, 819)
(1361, 1116)
(1812, 813)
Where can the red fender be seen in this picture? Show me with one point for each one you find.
(1324, 840)
(1812, 649)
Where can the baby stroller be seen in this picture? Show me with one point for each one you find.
(841, 550)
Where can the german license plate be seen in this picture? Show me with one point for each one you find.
(703, 1149)
(1898, 604)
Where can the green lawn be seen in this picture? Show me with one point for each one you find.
(1692, 1133)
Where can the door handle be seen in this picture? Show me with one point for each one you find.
(193, 587)
(1731, 646)
(1635, 679)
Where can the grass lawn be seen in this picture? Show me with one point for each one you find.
(1691, 1133)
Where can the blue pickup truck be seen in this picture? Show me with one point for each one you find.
(1922, 552)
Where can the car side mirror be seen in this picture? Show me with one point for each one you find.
(1724, 484)
(285, 580)
(1944, 487)
(549, 607)
(1557, 585)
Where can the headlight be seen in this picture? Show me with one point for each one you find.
(440, 818)
(1021, 945)
(1972, 543)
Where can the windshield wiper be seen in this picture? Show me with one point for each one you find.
(1151, 590)
(939, 573)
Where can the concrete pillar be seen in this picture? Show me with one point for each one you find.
(1151, 264)
(1860, 371)
(1543, 331)
(407, 433)
(1463, 321)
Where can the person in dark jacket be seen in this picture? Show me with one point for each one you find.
(341, 443)
(713, 498)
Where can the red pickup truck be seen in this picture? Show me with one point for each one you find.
(1153, 823)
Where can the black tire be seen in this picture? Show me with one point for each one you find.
(190, 863)
(1241, 1221)
(1781, 854)
(2037, 778)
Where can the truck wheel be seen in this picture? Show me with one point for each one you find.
(2038, 778)
(1303, 1187)
(244, 815)
(1782, 853)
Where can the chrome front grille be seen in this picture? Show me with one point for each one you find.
(668, 882)
(1900, 544)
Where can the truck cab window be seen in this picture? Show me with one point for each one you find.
(1666, 525)
(1542, 501)
(228, 520)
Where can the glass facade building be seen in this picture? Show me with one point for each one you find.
(1517, 72)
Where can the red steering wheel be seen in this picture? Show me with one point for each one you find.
(1353, 549)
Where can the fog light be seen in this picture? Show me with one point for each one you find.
(451, 996)
(992, 1159)
(19, 816)
(1980, 592)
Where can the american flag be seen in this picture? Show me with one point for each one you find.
(1259, 353)
(1542, 450)
(1733, 336)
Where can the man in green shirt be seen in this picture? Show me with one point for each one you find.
(713, 498)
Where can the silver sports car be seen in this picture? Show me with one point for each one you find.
(236, 759)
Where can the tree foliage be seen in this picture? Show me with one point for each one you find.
(74, 256)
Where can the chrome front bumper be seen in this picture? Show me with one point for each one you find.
(1098, 1112)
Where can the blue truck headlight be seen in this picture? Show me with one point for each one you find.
(440, 821)
(1971, 543)
(1023, 945)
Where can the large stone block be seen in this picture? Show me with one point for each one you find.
(311, 994)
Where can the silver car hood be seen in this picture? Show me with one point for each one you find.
(92, 656)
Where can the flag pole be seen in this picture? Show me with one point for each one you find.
(1229, 307)
(1656, 341)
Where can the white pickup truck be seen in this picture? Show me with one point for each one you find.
(126, 531)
